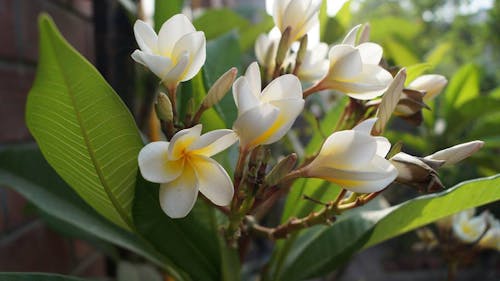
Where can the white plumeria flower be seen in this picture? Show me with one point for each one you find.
(468, 228)
(355, 71)
(299, 15)
(176, 54)
(265, 117)
(355, 160)
(315, 63)
(491, 239)
(183, 167)
(265, 50)
(431, 84)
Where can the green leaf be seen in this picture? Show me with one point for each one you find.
(403, 28)
(222, 54)
(344, 15)
(399, 51)
(436, 55)
(24, 169)
(249, 35)
(463, 86)
(83, 128)
(323, 18)
(220, 21)
(22, 276)
(137, 272)
(165, 9)
(495, 93)
(413, 71)
(190, 243)
(321, 249)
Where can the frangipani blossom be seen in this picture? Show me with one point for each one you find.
(355, 71)
(299, 15)
(265, 117)
(456, 153)
(355, 160)
(183, 167)
(431, 84)
(491, 239)
(176, 54)
(265, 50)
(468, 228)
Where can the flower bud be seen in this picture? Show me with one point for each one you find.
(220, 88)
(163, 108)
(364, 35)
(414, 172)
(390, 100)
(456, 153)
(302, 50)
(410, 106)
(431, 84)
(281, 169)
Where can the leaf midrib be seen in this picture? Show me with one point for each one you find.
(88, 144)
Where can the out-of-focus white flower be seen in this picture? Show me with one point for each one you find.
(355, 160)
(314, 64)
(431, 84)
(299, 15)
(183, 167)
(491, 239)
(456, 153)
(355, 71)
(176, 54)
(468, 228)
(265, 50)
(265, 117)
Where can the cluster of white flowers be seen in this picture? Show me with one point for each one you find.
(353, 159)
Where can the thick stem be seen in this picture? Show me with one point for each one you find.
(313, 89)
(197, 115)
(172, 94)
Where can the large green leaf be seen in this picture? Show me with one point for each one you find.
(24, 169)
(165, 9)
(222, 54)
(249, 34)
(219, 21)
(399, 51)
(83, 128)
(464, 86)
(190, 243)
(321, 249)
(23, 276)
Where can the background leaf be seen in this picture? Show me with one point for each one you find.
(215, 22)
(165, 9)
(83, 128)
(321, 249)
(18, 276)
(463, 86)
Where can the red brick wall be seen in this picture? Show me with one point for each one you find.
(26, 243)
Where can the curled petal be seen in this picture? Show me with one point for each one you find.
(254, 125)
(182, 140)
(284, 87)
(371, 53)
(372, 178)
(252, 74)
(244, 96)
(289, 110)
(176, 74)
(195, 45)
(159, 65)
(383, 146)
(177, 198)
(350, 38)
(146, 37)
(213, 181)
(371, 83)
(171, 31)
(214, 142)
(154, 164)
(366, 126)
(345, 150)
(345, 62)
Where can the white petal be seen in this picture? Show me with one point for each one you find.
(289, 110)
(371, 53)
(279, 12)
(182, 140)
(214, 142)
(244, 97)
(383, 146)
(295, 13)
(159, 65)
(371, 178)
(345, 62)
(155, 165)
(262, 45)
(195, 44)
(346, 150)
(137, 56)
(213, 181)
(371, 83)
(177, 198)
(146, 37)
(350, 38)
(252, 75)
(254, 125)
(366, 126)
(171, 31)
(470, 230)
(284, 87)
(431, 84)
(176, 73)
